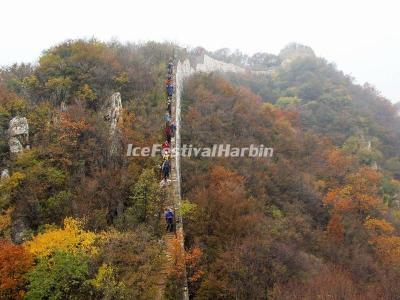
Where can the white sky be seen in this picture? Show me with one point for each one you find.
(361, 36)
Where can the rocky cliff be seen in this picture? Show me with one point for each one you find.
(18, 134)
(113, 114)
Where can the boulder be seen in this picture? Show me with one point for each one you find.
(18, 134)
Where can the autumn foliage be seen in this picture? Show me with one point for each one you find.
(72, 238)
(320, 219)
(15, 262)
(262, 225)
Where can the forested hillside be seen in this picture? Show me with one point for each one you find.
(79, 219)
(320, 219)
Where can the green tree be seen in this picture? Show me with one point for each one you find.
(61, 276)
(145, 200)
(107, 285)
(288, 101)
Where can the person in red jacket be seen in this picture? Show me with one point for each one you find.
(168, 133)
(165, 146)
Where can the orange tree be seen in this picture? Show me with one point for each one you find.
(15, 261)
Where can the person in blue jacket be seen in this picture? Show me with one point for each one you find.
(173, 127)
(169, 218)
(170, 90)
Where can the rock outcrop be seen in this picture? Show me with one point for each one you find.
(19, 230)
(18, 134)
(113, 114)
(5, 174)
(63, 106)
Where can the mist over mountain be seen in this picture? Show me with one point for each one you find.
(79, 219)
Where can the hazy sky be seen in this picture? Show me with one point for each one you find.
(361, 37)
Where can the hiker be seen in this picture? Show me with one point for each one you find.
(165, 146)
(169, 108)
(165, 169)
(166, 155)
(168, 81)
(170, 67)
(170, 90)
(168, 133)
(169, 219)
(167, 117)
(173, 128)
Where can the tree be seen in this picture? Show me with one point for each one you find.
(136, 259)
(224, 212)
(59, 88)
(8, 187)
(146, 203)
(338, 165)
(331, 282)
(288, 101)
(15, 262)
(82, 69)
(176, 272)
(336, 229)
(359, 195)
(40, 190)
(5, 223)
(62, 276)
(385, 242)
(107, 285)
(70, 239)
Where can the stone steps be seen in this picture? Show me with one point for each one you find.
(172, 200)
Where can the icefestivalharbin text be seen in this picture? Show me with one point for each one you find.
(221, 150)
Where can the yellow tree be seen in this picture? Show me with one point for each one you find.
(72, 238)
(358, 195)
(352, 202)
(386, 244)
